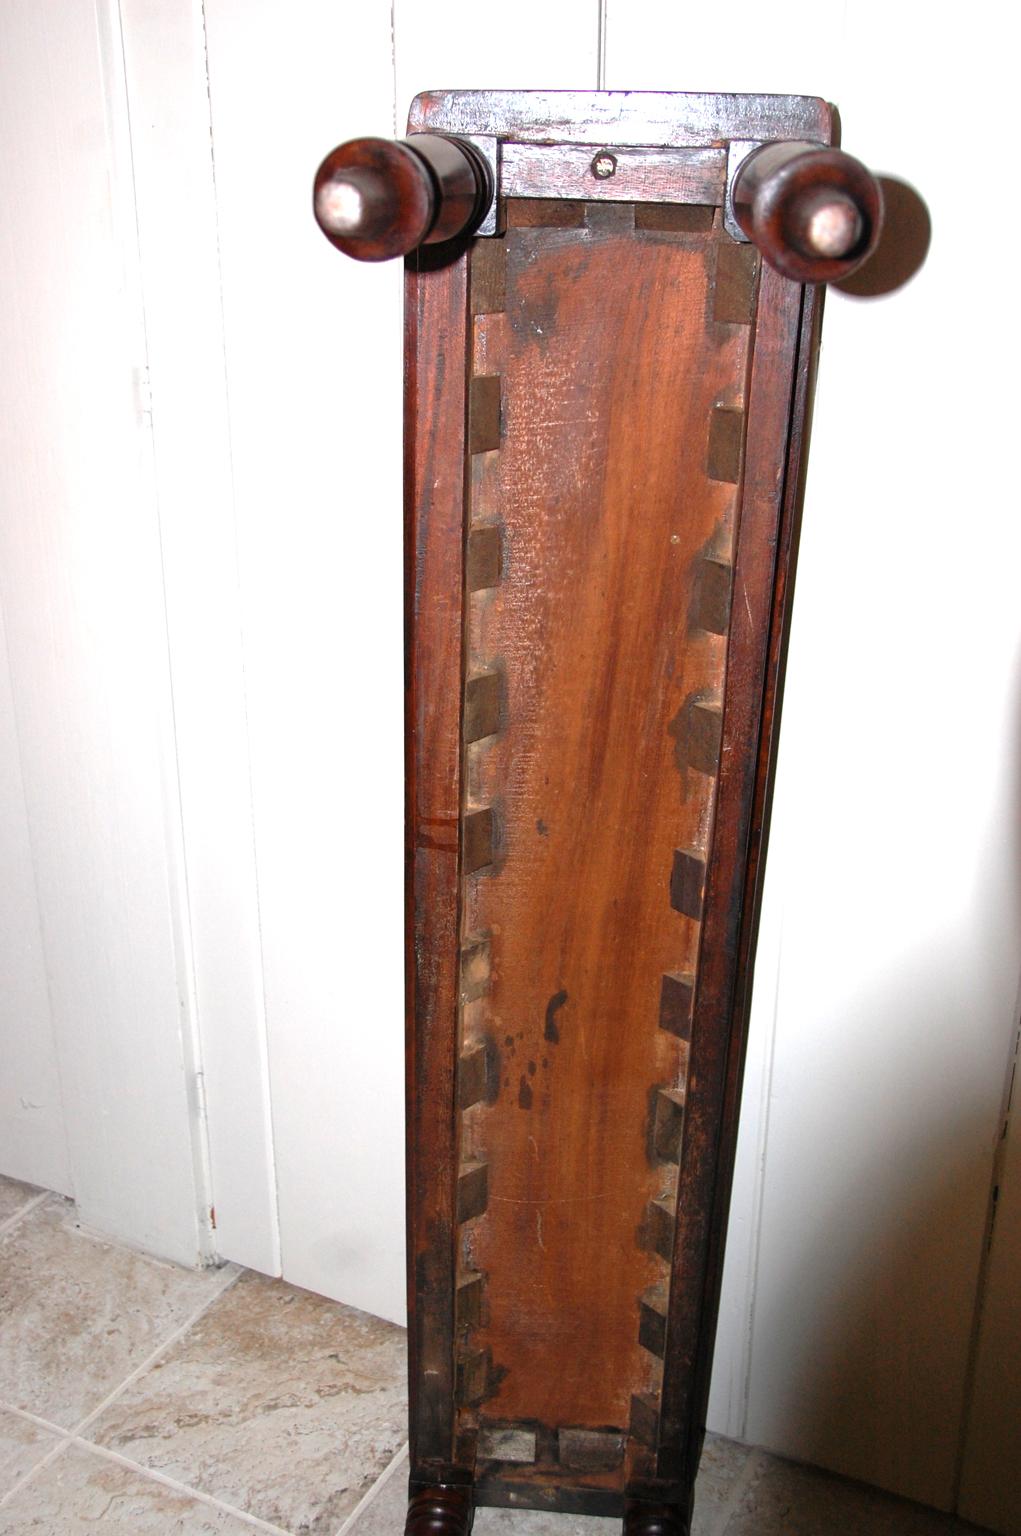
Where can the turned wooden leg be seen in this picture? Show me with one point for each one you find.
(642, 1519)
(445, 1510)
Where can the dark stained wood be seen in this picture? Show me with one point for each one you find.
(484, 414)
(477, 837)
(734, 288)
(488, 277)
(702, 738)
(608, 118)
(816, 214)
(668, 1119)
(435, 325)
(472, 1190)
(470, 1294)
(375, 199)
(554, 1487)
(652, 1319)
(594, 648)
(644, 1419)
(473, 1378)
(769, 399)
(675, 1000)
(657, 1232)
(473, 1076)
(590, 1450)
(674, 219)
(712, 602)
(440, 1511)
(483, 559)
(629, 175)
(649, 1519)
(687, 881)
(481, 705)
(590, 625)
(805, 368)
(544, 213)
(726, 434)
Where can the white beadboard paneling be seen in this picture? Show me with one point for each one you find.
(894, 837)
(174, 175)
(797, 48)
(728, 1398)
(313, 346)
(456, 44)
(801, 56)
(32, 1143)
(313, 358)
(991, 1472)
(900, 950)
(81, 589)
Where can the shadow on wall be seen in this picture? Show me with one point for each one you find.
(903, 244)
(874, 1375)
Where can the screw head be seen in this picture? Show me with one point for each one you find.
(604, 165)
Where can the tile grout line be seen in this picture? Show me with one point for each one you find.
(744, 1480)
(163, 1478)
(30, 1475)
(377, 1487)
(73, 1436)
(20, 1214)
(151, 1359)
(35, 1418)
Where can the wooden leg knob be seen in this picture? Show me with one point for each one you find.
(376, 198)
(815, 213)
(642, 1519)
(441, 1511)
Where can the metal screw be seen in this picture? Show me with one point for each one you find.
(604, 165)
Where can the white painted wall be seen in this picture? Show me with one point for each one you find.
(90, 726)
(33, 1141)
(167, 92)
(200, 722)
(314, 381)
(891, 953)
(991, 1467)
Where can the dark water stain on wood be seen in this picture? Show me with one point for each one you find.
(551, 1031)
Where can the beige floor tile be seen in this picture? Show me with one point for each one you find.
(537, 1522)
(81, 1493)
(279, 1402)
(78, 1315)
(14, 1196)
(22, 1447)
(722, 1464)
(784, 1499)
(385, 1515)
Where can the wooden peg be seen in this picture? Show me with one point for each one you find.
(815, 214)
(443, 1510)
(378, 198)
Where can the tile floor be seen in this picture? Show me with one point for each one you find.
(139, 1397)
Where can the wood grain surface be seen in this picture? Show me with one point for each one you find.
(436, 362)
(622, 117)
(607, 416)
(601, 773)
